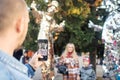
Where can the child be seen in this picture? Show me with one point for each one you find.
(86, 72)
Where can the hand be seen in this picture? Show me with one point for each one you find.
(34, 61)
(62, 24)
(90, 24)
(33, 5)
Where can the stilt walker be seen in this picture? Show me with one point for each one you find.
(111, 38)
(48, 26)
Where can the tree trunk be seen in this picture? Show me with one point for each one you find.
(93, 58)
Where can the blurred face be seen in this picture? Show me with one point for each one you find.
(25, 54)
(70, 48)
(51, 9)
(86, 63)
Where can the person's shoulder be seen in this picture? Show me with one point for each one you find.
(90, 69)
(90, 66)
(82, 68)
(2, 66)
(4, 73)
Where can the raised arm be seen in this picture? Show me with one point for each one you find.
(96, 27)
(36, 14)
(57, 27)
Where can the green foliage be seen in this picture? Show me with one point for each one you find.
(41, 5)
(31, 38)
(75, 12)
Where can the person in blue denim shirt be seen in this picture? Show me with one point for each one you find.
(14, 20)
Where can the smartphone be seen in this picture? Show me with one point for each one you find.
(43, 49)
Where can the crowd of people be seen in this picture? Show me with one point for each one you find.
(26, 56)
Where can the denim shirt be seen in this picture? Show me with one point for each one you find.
(12, 69)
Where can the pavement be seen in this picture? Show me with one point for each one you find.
(99, 71)
(38, 75)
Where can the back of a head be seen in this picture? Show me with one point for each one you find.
(9, 11)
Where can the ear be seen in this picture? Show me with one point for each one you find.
(19, 25)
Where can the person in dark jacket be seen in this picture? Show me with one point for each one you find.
(25, 58)
(87, 72)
